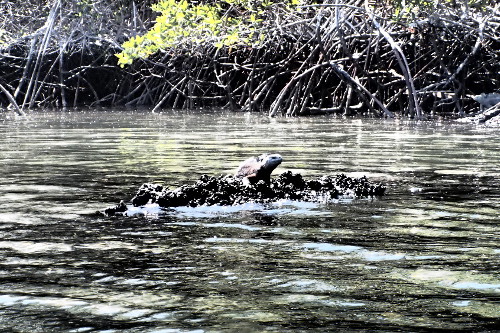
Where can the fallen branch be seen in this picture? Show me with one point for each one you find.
(12, 101)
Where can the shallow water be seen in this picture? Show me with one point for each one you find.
(425, 257)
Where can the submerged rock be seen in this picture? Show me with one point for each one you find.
(116, 210)
(231, 190)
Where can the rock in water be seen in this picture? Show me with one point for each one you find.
(257, 186)
(259, 168)
(116, 210)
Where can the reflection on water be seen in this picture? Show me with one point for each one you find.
(425, 257)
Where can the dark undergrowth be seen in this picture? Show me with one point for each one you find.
(349, 58)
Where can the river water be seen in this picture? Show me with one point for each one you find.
(425, 257)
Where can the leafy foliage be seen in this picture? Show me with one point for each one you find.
(184, 24)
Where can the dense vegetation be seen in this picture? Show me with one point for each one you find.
(413, 58)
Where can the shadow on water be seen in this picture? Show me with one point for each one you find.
(425, 257)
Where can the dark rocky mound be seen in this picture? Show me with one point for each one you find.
(229, 190)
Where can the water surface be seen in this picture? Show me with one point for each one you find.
(425, 257)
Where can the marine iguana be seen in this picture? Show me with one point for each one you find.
(258, 168)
